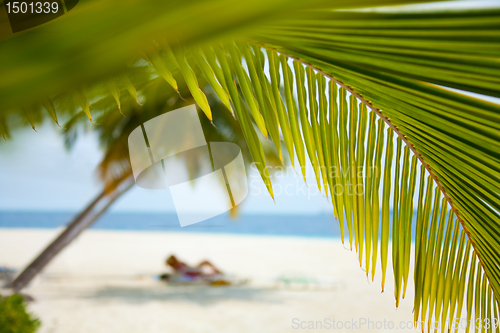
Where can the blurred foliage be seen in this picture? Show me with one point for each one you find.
(13, 316)
(114, 124)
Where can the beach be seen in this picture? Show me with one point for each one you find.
(106, 281)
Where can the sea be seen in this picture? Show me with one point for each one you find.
(320, 225)
(314, 225)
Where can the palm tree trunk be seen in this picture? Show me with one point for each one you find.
(84, 220)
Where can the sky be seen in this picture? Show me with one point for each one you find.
(38, 173)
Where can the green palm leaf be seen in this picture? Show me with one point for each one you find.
(393, 66)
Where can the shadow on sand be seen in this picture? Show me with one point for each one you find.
(201, 295)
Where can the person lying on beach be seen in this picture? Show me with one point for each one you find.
(205, 271)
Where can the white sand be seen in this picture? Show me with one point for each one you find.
(102, 283)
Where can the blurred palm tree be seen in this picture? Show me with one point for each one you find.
(114, 123)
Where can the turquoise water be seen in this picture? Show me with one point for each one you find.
(321, 225)
(277, 225)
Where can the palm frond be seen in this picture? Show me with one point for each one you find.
(365, 97)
